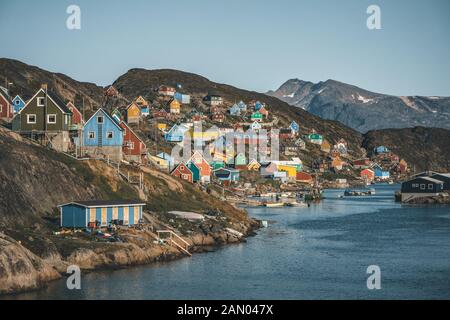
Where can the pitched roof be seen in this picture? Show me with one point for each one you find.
(108, 116)
(105, 203)
(57, 100)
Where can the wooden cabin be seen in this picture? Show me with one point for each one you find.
(6, 106)
(133, 113)
(100, 213)
(183, 172)
(134, 148)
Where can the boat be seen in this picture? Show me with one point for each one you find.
(274, 204)
(356, 193)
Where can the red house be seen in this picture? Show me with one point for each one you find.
(77, 117)
(111, 92)
(166, 91)
(6, 108)
(218, 117)
(304, 177)
(183, 172)
(361, 163)
(134, 149)
(367, 174)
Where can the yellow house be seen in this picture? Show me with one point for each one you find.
(326, 146)
(163, 164)
(162, 126)
(175, 106)
(291, 171)
(253, 165)
(206, 135)
(133, 113)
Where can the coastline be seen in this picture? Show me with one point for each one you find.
(33, 273)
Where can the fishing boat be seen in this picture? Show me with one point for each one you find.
(274, 204)
(356, 193)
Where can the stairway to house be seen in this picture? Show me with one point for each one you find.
(171, 238)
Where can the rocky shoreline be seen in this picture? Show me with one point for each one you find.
(22, 270)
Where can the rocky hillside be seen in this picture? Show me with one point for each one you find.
(34, 180)
(363, 110)
(140, 82)
(424, 148)
(27, 79)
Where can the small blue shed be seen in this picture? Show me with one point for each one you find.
(84, 214)
(18, 104)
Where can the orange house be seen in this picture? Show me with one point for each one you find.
(175, 106)
(133, 113)
(304, 177)
(205, 168)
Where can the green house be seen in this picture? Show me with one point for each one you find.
(44, 112)
(256, 116)
(195, 171)
(217, 165)
(240, 160)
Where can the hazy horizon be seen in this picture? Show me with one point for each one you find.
(251, 45)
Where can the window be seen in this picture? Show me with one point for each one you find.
(51, 118)
(131, 146)
(91, 135)
(17, 102)
(430, 186)
(31, 118)
(40, 101)
(109, 135)
(422, 187)
(99, 119)
(1, 108)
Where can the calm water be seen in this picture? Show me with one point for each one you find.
(321, 252)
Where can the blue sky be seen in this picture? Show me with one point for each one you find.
(255, 45)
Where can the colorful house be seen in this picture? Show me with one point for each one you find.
(240, 161)
(294, 127)
(117, 115)
(133, 112)
(166, 91)
(227, 175)
(361, 163)
(45, 114)
(253, 165)
(159, 114)
(337, 164)
(134, 148)
(176, 133)
(291, 171)
(242, 106)
(100, 213)
(170, 160)
(325, 146)
(367, 174)
(217, 164)
(256, 116)
(182, 98)
(304, 177)
(300, 143)
(380, 173)
(235, 110)
(161, 164)
(268, 169)
(285, 134)
(380, 150)
(402, 166)
(18, 103)
(6, 107)
(205, 168)
(144, 105)
(103, 137)
(213, 100)
(218, 117)
(196, 174)
(77, 117)
(263, 110)
(315, 138)
(342, 146)
(175, 107)
(111, 92)
(183, 172)
(256, 126)
(258, 105)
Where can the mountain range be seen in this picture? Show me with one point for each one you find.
(364, 110)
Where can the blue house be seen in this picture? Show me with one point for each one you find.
(235, 110)
(100, 213)
(176, 133)
(380, 174)
(294, 127)
(102, 137)
(182, 98)
(381, 150)
(258, 105)
(18, 104)
(242, 106)
(227, 174)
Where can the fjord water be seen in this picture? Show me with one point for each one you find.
(321, 252)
